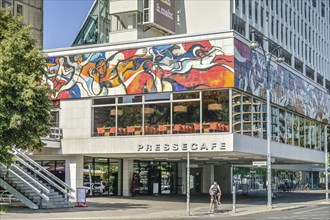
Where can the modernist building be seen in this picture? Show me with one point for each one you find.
(32, 12)
(148, 81)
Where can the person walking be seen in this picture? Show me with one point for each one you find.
(215, 193)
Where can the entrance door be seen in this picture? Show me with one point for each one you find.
(196, 180)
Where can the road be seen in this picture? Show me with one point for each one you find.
(313, 212)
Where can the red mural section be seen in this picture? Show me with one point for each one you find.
(163, 68)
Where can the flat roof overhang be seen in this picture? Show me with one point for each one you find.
(206, 148)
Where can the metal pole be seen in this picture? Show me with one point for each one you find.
(234, 198)
(269, 159)
(188, 184)
(326, 163)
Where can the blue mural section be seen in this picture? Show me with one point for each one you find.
(287, 89)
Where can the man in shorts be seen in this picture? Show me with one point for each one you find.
(215, 192)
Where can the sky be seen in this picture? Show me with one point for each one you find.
(63, 20)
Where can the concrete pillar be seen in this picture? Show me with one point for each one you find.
(182, 176)
(74, 168)
(222, 176)
(127, 176)
(208, 177)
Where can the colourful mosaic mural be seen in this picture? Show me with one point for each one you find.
(164, 68)
(287, 89)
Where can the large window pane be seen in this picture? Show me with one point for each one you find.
(308, 134)
(129, 120)
(186, 95)
(281, 126)
(157, 118)
(257, 112)
(186, 115)
(275, 123)
(215, 111)
(296, 130)
(247, 115)
(301, 132)
(237, 112)
(104, 120)
(288, 127)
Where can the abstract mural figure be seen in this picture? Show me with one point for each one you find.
(76, 76)
(164, 68)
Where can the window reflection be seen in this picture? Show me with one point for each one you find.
(129, 120)
(202, 112)
(157, 118)
(215, 111)
(186, 117)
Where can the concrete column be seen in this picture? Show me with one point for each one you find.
(208, 177)
(74, 168)
(127, 176)
(182, 175)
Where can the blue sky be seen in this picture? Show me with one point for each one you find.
(62, 21)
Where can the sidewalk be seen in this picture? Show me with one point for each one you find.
(167, 207)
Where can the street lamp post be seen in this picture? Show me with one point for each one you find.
(268, 57)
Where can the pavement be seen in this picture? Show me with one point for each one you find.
(169, 206)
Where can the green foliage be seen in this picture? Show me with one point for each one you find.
(3, 209)
(24, 104)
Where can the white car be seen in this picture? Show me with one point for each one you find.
(97, 188)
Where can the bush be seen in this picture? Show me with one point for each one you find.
(3, 209)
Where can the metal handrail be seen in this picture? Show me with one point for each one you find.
(44, 177)
(44, 189)
(27, 183)
(44, 170)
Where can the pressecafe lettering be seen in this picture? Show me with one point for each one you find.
(182, 147)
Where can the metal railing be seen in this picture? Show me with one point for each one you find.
(36, 190)
(55, 134)
(44, 174)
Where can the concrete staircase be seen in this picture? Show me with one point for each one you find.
(33, 185)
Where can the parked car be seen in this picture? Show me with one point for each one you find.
(97, 188)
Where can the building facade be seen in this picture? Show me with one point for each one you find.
(32, 12)
(172, 80)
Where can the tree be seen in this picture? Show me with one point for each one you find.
(24, 103)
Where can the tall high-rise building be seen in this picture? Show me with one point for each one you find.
(147, 81)
(32, 12)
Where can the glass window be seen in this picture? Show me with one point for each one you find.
(257, 114)
(186, 117)
(282, 128)
(215, 111)
(104, 121)
(186, 95)
(55, 121)
(157, 118)
(247, 115)
(296, 130)
(313, 134)
(6, 4)
(129, 120)
(301, 132)
(308, 134)
(130, 99)
(124, 21)
(157, 97)
(19, 9)
(289, 134)
(237, 112)
(104, 101)
(275, 124)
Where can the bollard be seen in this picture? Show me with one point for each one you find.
(234, 199)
